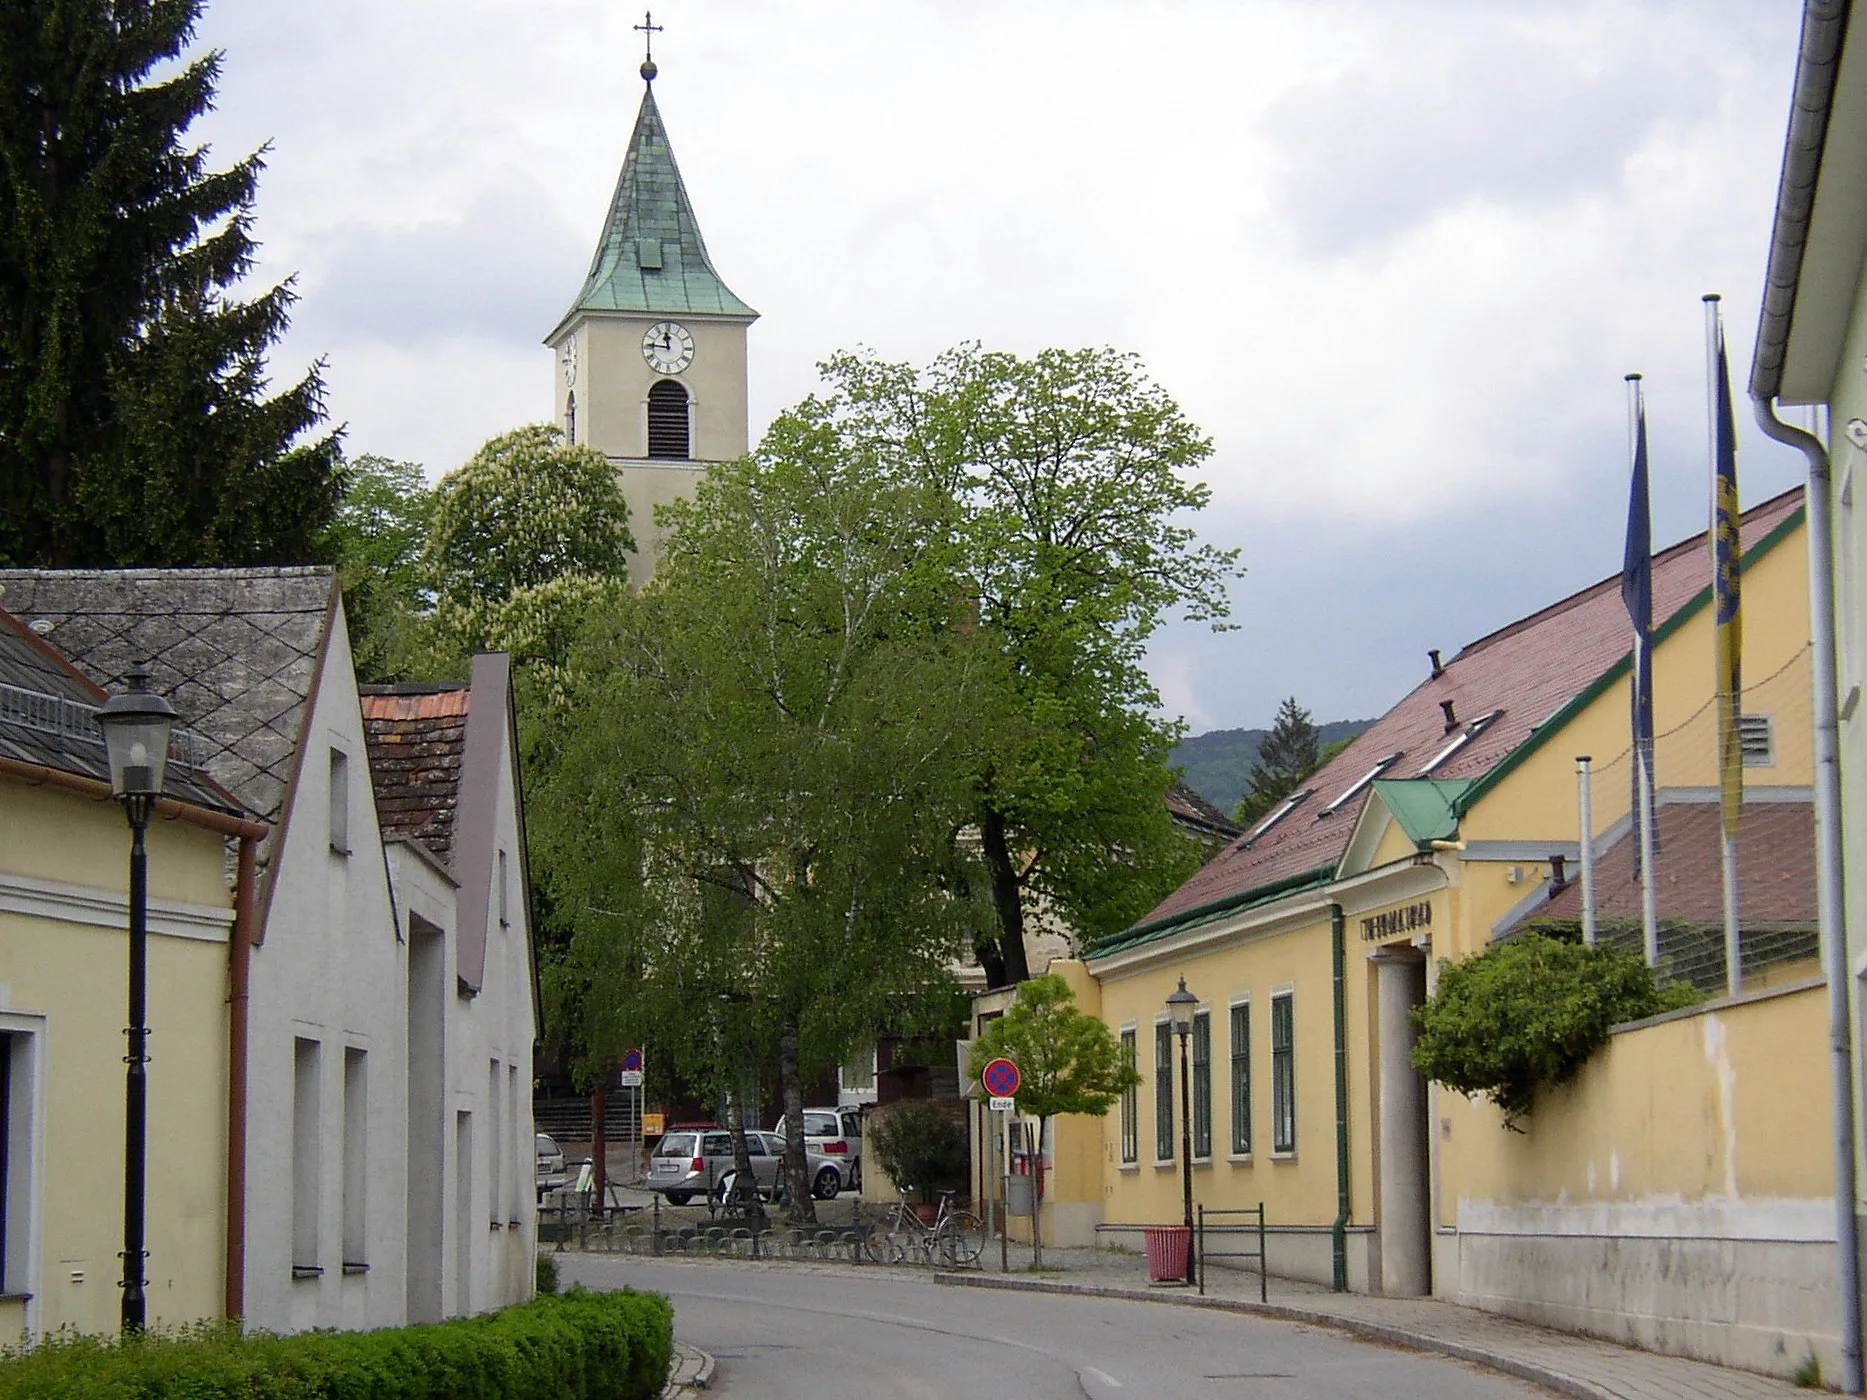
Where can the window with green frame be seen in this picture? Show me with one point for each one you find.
(1163, 1092)
(1202, 1084)
(1283, 1073)
(1130, 1104)
(1241, 1079)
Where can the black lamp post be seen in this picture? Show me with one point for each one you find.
(1180, 1008)
(136, 727)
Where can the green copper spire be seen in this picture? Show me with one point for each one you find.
(651, 258)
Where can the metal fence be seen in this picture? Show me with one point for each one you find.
(1249, 1229)
(1774, 845)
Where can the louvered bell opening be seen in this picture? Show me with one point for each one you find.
(667, 421)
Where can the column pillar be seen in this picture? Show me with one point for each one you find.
(1404, 1224)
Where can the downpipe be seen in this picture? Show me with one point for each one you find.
(1338, 1238)
(1829, 886)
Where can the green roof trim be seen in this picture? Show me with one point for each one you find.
(1167, 924)
(651, 259)
(1582, 699)
(1426, 808)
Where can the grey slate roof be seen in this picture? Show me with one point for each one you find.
(234, 650)
(48, 716)
(651, 221)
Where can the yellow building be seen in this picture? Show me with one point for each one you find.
(64, 913)
(1677, 1195)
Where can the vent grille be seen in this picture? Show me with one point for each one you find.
(1756, 738)
(667, 421)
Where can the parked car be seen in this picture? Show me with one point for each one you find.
(553, 1175)
(696, 1163)
(835, 1132)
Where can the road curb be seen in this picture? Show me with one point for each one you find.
(690, 1371)
(1375, 1331)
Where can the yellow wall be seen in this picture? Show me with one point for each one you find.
(75, 973)
(1724, 1104)
(1296, 1188)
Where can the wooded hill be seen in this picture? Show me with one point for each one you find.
(1218, 763)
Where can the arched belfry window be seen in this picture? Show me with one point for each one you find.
(667, 420)
(570, 418)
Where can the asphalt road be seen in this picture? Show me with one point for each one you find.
(783, 1331)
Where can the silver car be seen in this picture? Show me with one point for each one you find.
(694, 1162)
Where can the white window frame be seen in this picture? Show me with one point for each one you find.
(1231, 1079)
(1128, 1111)
(1356, 788)
(1285, 992)
(1164, 1062)
(25, 1168)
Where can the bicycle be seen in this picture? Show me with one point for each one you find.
(956, 1238)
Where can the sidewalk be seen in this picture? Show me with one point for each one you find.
(690, 1373)
(1587, 1368)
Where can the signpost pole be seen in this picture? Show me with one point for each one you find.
(1002, 1169)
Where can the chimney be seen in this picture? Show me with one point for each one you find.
(1452, 720)
(1558, 877)
(1438, 670)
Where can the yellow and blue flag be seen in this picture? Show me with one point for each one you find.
(1637, 595)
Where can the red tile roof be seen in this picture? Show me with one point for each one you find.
(1191, 810)
(1775, 868)
(1527, 670)
(416, 736)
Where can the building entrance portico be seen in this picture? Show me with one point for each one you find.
(1404, 1216)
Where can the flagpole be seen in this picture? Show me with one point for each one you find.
(1725, 688)
(1642, 680)
(1584, 781)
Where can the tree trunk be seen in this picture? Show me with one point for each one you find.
(1007, 899)
(1037, 1198)
(803, 1207)
(745, 1181)
(599, 1145)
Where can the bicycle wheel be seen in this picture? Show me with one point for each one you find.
(960, 1240)
(881, 1246)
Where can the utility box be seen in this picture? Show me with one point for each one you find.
(1019, 1191)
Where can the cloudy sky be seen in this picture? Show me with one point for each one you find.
(1394, 255)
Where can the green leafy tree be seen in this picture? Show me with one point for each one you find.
(1287, 755)
(752, 785)
(376, 542)
(1528, 1013)
(523, 540)
(1067, 481)
(135, 426)
(1068, 1062)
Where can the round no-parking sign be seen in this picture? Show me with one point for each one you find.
(1000, 1078)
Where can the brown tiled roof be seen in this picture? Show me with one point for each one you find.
(1188, 808)
(1527, 670)
(234, 650)
(1775, 868)
(416, 735)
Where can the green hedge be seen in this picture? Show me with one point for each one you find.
(573, 1346)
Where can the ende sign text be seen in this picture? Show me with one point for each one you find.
(1405, 919)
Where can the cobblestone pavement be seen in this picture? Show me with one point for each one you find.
(1585, 1367)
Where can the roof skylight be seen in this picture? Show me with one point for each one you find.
(1355, 788)
(1459, 741)
(1283, 809)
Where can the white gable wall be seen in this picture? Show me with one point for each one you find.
(328, 979)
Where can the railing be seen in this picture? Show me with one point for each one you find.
(1255, 1227)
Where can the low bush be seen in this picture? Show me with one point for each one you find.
(1528, 1013)
(571, 1346)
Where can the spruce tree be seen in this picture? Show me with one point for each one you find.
(1287, 755)
(135, 428)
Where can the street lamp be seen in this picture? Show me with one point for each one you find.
(136, 727)
(1180, 1008)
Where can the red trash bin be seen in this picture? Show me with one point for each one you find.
(1166, 1252)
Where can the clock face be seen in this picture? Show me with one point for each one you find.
(570, 363)
(668, 347)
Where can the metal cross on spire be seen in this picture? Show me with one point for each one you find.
(648, 29)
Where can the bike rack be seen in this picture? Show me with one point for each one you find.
(1257, 1214)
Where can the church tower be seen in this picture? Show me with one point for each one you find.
(652, 354)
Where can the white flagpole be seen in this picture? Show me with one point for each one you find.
(1584, 780)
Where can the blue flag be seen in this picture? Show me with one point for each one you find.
(1637, 594)
(1727, 562)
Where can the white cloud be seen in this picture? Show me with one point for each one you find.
(1394, 256)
